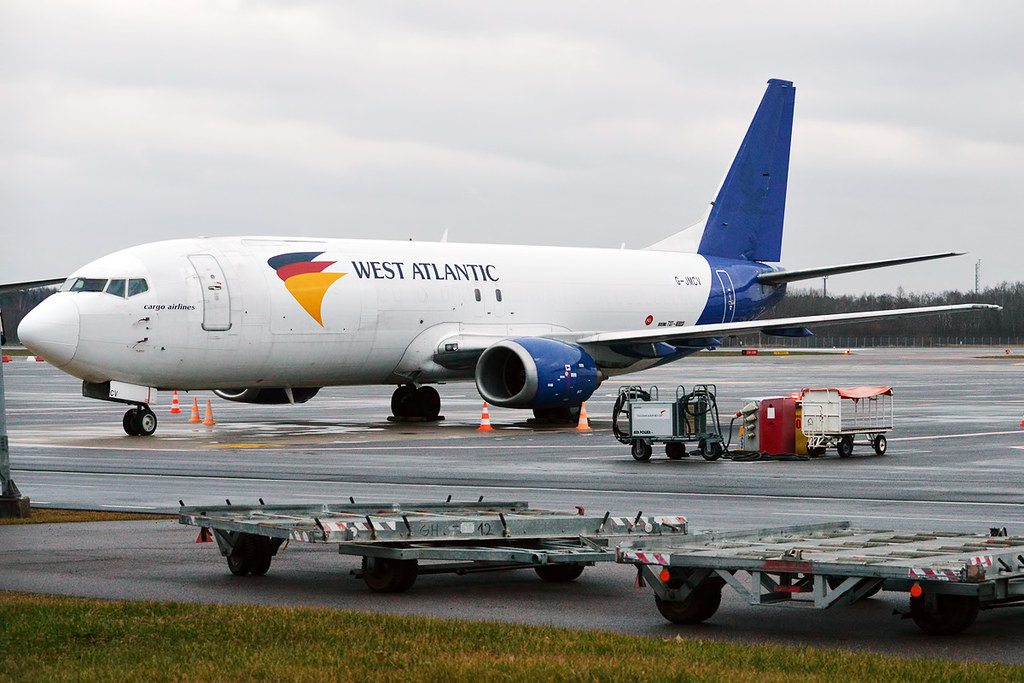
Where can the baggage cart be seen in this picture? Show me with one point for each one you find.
(834, 417)
(949, 576)
(690, 418)
(399, 542)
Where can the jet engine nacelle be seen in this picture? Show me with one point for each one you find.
(267, 396)
(533, 372)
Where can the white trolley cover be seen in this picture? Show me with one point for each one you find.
(824, 413)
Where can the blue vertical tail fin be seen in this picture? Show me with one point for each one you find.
(745, 219)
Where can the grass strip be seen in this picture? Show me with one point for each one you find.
(53, 516)
(54, 638)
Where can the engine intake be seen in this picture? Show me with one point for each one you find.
(534, 372)
(267, 396)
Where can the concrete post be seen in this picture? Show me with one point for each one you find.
(12, 503)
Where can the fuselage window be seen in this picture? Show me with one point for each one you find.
(137, 286)
(88, 284)
(476, 292)
(497, 295)
(116, 287)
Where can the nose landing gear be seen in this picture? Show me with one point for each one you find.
(139, 421)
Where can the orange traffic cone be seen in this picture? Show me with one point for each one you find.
(1022, 423)
(485, 421)
(175, 406)
(584, 423)
(195, 410)
(208, 421)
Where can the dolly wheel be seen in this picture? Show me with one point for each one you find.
(700, 606)
(642, 450)
(845, 446)
(251, 556)
(711, 451)
(385, 575)
(949, 614)
(879, 444)
(675, 450)
(559, 573)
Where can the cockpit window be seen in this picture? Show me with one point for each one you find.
(88, 284)
(137, 286)
(116, 287)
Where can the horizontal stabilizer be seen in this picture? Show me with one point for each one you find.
(783, 276)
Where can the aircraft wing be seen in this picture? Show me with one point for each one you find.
(701, 335)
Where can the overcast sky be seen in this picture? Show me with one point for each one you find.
(588, 123)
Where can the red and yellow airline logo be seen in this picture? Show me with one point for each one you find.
(305, 279)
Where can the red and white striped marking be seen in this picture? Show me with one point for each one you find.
(674, 521)
(377, 525)
(646, 558)
(935, 574)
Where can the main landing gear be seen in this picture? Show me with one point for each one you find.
(410, 402)
(560, 415)
(139, 421)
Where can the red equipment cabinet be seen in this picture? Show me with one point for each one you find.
(777, 425)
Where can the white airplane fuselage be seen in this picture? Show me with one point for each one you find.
(217, 315)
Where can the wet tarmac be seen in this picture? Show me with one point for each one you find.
(954, 462)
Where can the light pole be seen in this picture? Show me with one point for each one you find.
(12, 503)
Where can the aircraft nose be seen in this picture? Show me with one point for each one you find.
(50, 330)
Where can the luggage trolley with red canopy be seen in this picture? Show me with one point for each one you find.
(835, 416)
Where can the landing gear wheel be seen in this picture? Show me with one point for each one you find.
(642, 450)
(569, 415)
(675, 450)
(711, 451)
(403, 401)
(389, 576)
(845, 446)
(140, 421)
(427, 403)
(251, 556)
(128, 422)
(700, 606)
(949, 615)
(879, 444)
(145, 421)
(559, 573)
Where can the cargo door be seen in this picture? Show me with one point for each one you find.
(728, 295)
(216, 298)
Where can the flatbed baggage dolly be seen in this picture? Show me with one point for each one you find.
(949, 576)
(690, 418)
(399, 542)
(834, 417)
